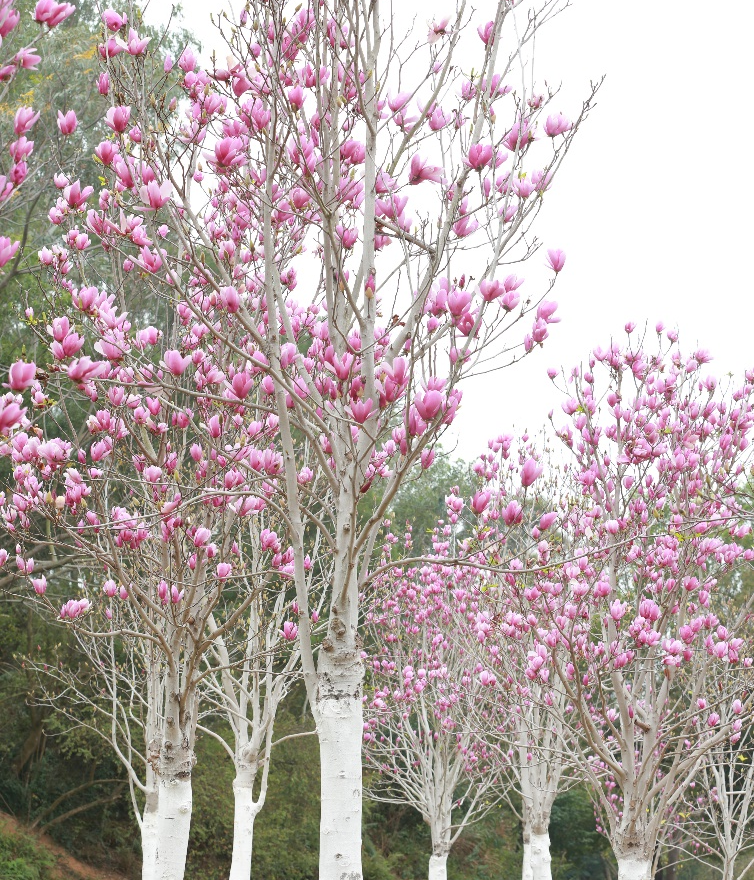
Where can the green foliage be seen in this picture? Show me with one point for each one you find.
(579, 852)
(421, 501)
(22, 858)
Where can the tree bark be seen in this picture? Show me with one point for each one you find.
(174, 814)
(634, 867)
(541, 859)
(526, 872)
(149, 837)
(246, 810)
(339, 716)
(438, 866)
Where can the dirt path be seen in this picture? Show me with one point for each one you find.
(67, 867)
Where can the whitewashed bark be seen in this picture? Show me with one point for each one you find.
(149, 837)
(340, 728)
(438, 867)
(246, 810)
(541, 859)
(526, 873)
(634, 868)
(173, 826)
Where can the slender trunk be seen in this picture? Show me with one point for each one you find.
(243, 822)
(438, 866)
(174, 814)
(340, 730)
(540, 856)
(526, 873)
(634, 867)
(729, 869)
(149, 836)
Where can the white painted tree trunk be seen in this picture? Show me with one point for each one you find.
(243, 825)
(149, 837)
(340, 728)
(540, 856)
(173, 826)
(526, 873)
(634, 868)
(438, 867)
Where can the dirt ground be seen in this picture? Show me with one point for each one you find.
(67, 867)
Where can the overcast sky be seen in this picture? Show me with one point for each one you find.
(654, 204)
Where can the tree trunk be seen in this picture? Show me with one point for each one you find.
(174, 813)
(526, 873)
(634, 867)
(540, 856)
(149, 837)
(438, 866)
(340, 730)
(243, 822)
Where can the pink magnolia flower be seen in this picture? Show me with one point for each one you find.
(429, 404)
(21, 375)
(113, 21)
(556, 125)
(40, 585)
(8, 249)
(362, 409)
(75, 195)
(296, 97)
(438, 29)
(24, 120)
(228, 154)
(399, 101)
(83, 369)
(530, 471)
(289, 631)
(175, 363)
(106, 152)
(9, 20)
(480, 501)
(420, 170)
(486, 31)
(135, 45)
(154, 195)
(556, 259)
(51, 13)
(202, 536)
(118, 118)
(479, 156)
(67, 123)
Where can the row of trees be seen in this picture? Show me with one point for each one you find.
(202, 460)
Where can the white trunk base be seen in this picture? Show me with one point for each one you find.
(173, 827)
(438, 867)
(540, 857)
(634, 868)
(340, 730)
(149, 841)
(243, 830)
(526, 873)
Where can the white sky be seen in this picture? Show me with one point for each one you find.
(653, 206)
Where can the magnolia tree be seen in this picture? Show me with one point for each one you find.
(15, 58)
(425, 683)
(126, 706)
(630, 619)
(245, 683)
(527, 733)
(716, 814)
(238, 414)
